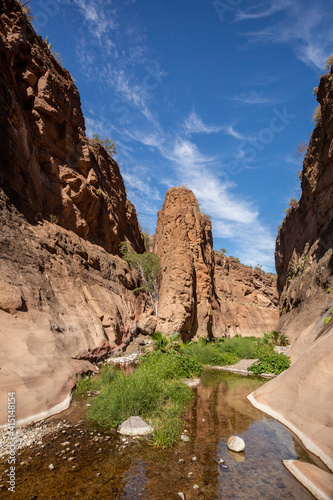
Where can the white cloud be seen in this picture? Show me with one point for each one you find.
(194, 125)
(261, 10)
(306, 27)
(253, 97)
(237, 135)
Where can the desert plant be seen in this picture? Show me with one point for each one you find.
(108, 144)
(99, 192)
(317, 114)
(327, 320)
(53, 219)
(148, 265)
(293, 203)
(301, 149)
(329, 62)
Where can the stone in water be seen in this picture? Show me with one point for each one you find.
(235, 443)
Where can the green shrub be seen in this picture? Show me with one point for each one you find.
(326, 321)
(99, 192)
(108, 144)
(270, 363)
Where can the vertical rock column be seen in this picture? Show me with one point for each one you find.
(184, 244)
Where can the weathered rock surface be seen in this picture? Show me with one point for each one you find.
(48, 167)
(183, 241)
(201, 292)
(76, 304)
(64, 301)
(304, 246)
(247, 297)
(302, 397)
(135, 426)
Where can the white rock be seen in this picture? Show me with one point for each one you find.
(51, 466)
(184, 438)
(235, 443)
(195, 487)
(135, 426)
(181, 495)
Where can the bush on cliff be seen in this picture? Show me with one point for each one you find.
(148, 265)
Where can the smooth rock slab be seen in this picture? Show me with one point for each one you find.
(235, 443)
(135, 426)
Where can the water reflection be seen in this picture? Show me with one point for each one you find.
(109, 469)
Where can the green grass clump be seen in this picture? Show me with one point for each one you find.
(209, 354)
(272, 362)
(86, 384)
(154, 392)
(243, 347)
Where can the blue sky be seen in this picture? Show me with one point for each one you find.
(215, 95)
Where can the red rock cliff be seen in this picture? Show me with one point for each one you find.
(183, 241)
(63, 300)
(247, 298)
(48, 167)
(202, 293)
(302, 397)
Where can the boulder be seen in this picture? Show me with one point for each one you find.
(147, 326)
(135, 426)
(235, 443)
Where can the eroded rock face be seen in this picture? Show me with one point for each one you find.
(48, 167)
(304, 246)
(201, 292)
(248, 299)
(183, 241)
(302, 396)
(64, 303)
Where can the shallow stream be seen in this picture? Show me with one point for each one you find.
(99, 465)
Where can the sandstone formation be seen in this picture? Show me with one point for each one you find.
(302, 397)
(64, 301)
(48, 167)
(202, 292)
(184, 243)
(68, 301)
(247, 299)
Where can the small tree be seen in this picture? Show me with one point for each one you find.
(108, 144)
(329, 62)
(148, 265)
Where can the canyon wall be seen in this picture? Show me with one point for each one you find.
(64, 299)
(201, 292)
(247, 298)
(302, 397)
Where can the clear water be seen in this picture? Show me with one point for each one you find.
(110, 469)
